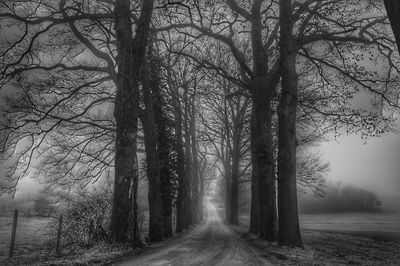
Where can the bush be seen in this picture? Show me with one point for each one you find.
(86, 219)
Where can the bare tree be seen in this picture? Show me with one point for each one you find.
(74, 51)
(225, 120)
(52, 89)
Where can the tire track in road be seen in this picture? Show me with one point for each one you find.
(212, 243)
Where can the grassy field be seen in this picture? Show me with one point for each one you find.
(386, 224)
(329, 239)
(337, 239)
(31, 235)
(373, 224)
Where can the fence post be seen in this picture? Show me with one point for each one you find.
(91, 229)
(13, 234)
(59, 235)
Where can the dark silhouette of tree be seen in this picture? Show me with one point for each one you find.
(166, 152)
(159, 144)
(183, 200)
(151, 131)
(393, 12)
(131, 56)
(289, 229)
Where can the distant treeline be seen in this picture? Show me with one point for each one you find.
(9, 204)
(340, 198)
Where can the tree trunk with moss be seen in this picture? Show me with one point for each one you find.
(152, 148)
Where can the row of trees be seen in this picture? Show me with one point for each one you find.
(340, 198)
(235, 85)
(91, 98)
(329, 56)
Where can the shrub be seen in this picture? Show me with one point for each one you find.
(86, 219)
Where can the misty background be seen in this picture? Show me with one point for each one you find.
(372, 164)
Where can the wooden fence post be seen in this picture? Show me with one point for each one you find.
(91, 229)
(59, 235)
(13, 234)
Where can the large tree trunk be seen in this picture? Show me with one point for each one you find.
(228, 181)
(289, 231)
(393, 12)
(234, 193)
(254, 227)
(201, 196)
(166, 185)
(134, 231)
(228, 201)
(265, 165)
(188, 159)
(181, 202)
(164, 146)
(196, 181)
(156, 223)
(234, 188)
(262, 138)
(202, 170)
(255, 204)
(129, 61)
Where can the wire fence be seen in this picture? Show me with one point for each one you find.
(29, 228)
(31, 232)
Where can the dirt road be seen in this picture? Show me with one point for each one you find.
(212, 243)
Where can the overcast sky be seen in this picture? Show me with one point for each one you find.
(374, 165)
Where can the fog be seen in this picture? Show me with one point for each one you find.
(372, 164)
